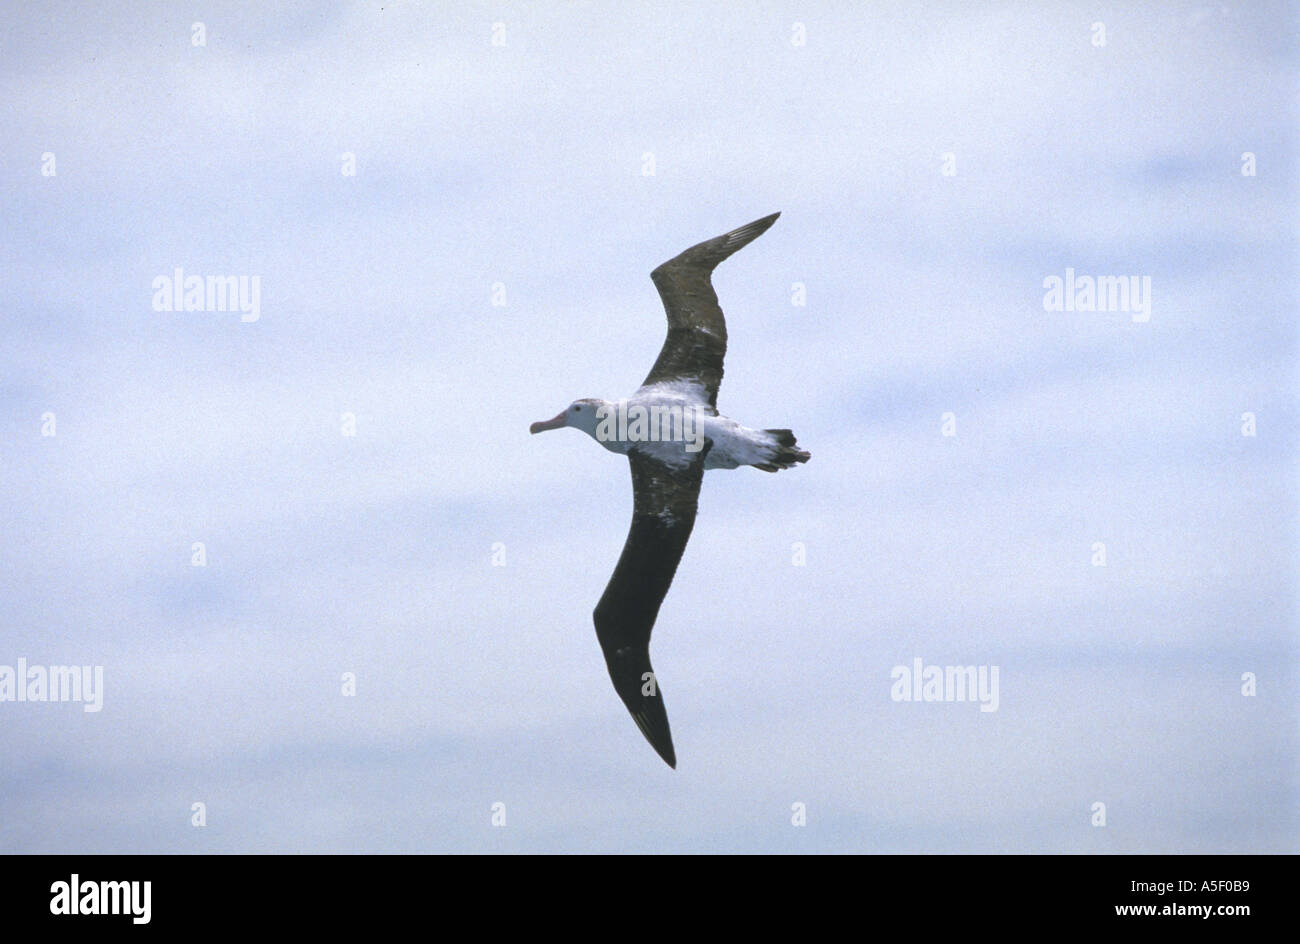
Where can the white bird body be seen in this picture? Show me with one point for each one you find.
(670, 423)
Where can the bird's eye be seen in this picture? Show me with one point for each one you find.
(577, 409)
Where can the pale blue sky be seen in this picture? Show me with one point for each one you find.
(522, 164)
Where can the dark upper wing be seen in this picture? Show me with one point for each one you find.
(697, 333)
(663, 513)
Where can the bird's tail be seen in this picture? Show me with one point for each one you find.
(784, 452)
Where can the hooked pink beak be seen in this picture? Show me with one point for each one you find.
(554, 423)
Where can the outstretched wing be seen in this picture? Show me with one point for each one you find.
(697, 332)
(663, 513)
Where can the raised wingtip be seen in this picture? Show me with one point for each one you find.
(708, 254)
(760, 225)
(746, 234)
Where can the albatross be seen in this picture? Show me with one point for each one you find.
(671, 432)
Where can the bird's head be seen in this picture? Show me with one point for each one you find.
(580, 414)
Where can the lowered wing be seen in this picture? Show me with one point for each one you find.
(665, 497)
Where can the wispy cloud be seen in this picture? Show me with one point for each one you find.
(524, 164)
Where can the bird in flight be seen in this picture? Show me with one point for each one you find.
(671, 431)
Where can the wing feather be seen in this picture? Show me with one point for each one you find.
(665, 498)
(697, 332)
